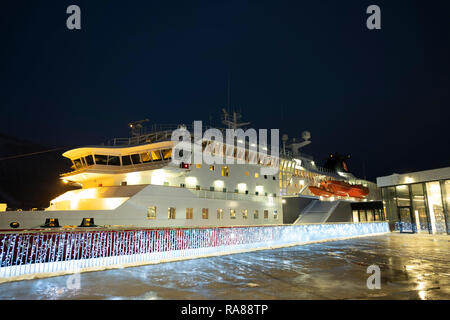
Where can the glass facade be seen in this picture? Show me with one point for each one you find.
(420, 207)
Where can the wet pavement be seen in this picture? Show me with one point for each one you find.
(411, 267)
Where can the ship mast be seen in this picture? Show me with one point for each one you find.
(233, 123)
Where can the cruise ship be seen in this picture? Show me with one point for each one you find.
(133, 182)
(142, 200)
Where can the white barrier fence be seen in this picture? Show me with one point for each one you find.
(47, 253)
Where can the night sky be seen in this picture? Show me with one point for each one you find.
(382, 96)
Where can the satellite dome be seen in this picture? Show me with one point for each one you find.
(306, 135)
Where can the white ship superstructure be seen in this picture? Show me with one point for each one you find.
(134, 183)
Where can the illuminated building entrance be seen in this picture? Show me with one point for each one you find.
(417, 202)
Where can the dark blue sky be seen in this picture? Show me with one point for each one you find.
(383, 96)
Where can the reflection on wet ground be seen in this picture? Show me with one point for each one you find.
(412, 267)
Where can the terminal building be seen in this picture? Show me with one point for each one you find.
(417, 202)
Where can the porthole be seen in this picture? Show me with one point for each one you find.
(14, 225)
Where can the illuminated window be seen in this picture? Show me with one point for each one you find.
(244, 214)
(156, 155)
(151, 212)
(232, 214)
(172, 213)
(167, 154)
(225, 171)
(246, 173)
(219, 214)
(145, 156)
(275, 214)
(255, 214)
(198, 166)
(211, 168)
(205, 213)
(256, 175)
(189, 213)
(266, 214)
(355, 216)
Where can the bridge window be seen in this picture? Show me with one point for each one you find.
(89, 160)
(145, 156)
(232, 214)
(100, 159)
(156, 155)
(135, 158)
(78, 164)
(167, 154)
(126, 160)
(266, 214)
(244, 214)
(113, 161)
(205, 213)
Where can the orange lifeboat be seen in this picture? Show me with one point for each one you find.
(320, 192)
(330, 188)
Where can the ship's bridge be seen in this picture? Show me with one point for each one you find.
(101, 162)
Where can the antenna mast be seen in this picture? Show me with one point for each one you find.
(136, 127)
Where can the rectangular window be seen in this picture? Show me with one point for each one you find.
(369, 215)
(355, 216)
(189, 213)
(246, 173)
(362, 216)
(167, 154)
(225, 171)
(135, 158)
(219, 214)
(198, 166)
(78, 164)
(145, 156)
(245, 214)
(266, 214)
(156, 155)
(256, 175)
(151, 212)
(232, 214)
(211, 168)
(126, 160)
(205, 213)
(89, 160)
(172, 213)
(255, 214)
(275, 214)
(113, 161)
